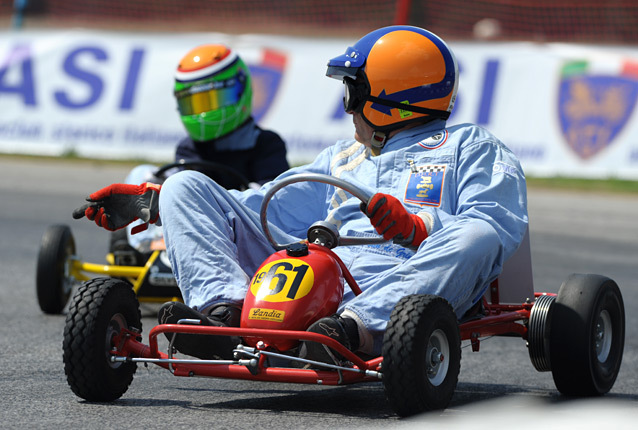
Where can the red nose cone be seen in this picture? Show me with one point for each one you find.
(290, 293)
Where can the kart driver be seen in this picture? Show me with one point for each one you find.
(452, 200)
(213, 90)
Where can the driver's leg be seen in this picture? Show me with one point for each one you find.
(214, 243)
(457, 263)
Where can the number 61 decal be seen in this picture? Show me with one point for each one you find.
(282, 281)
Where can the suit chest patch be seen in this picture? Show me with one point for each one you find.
(435, 141)
(425, 184)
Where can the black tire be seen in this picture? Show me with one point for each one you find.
(587, 335)
(97, 312)
(53, 285)
(421, 326)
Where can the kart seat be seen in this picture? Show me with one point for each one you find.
(515, 284)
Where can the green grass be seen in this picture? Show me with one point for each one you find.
(612, 185)
(71, 156)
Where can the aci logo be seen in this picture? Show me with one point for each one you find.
(594, 105)
(266, 79)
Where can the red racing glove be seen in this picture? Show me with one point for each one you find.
(116, 206)
(392, 220)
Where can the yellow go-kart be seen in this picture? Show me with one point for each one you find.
(59, 268)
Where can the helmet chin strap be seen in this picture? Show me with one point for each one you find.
(377, 141)
(380, 138)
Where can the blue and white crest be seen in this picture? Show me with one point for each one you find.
(425, 185)
(593, 109)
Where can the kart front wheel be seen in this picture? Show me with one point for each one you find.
(587, 335)
(98, 312)
(421, 355)
(53, 282)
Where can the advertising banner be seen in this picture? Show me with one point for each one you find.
(565, 110)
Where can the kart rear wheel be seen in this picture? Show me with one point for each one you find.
(421, 355)
(98, 311)
(587, 335)
(53, 283)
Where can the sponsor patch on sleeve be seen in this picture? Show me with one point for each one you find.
(500, 167)
(425, 185)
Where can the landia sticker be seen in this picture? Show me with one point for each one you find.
(262, 314)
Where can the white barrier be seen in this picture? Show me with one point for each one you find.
(565, 110)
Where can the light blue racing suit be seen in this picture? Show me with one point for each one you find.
(466, 185)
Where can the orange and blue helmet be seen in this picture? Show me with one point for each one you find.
(396, 76)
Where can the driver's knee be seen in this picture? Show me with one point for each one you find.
(478, 243)
(187, 187)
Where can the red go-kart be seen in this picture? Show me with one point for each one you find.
(577, 334)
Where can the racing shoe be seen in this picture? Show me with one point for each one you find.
(343, 330)
(202, 346)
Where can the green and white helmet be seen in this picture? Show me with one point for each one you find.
(213, 92)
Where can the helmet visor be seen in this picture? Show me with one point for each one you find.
(210, 96)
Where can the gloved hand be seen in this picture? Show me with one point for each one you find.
(392, 220)
(116, 206)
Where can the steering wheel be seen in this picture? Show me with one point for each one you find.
(321, 232)
(210, 168)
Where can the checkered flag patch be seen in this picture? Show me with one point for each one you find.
(429, 168)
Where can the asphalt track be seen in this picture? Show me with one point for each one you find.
(498, 386)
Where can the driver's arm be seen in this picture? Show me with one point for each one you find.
(490, 188)
(116, 206)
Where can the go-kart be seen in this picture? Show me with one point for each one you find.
(59, 268)
(577, 334)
